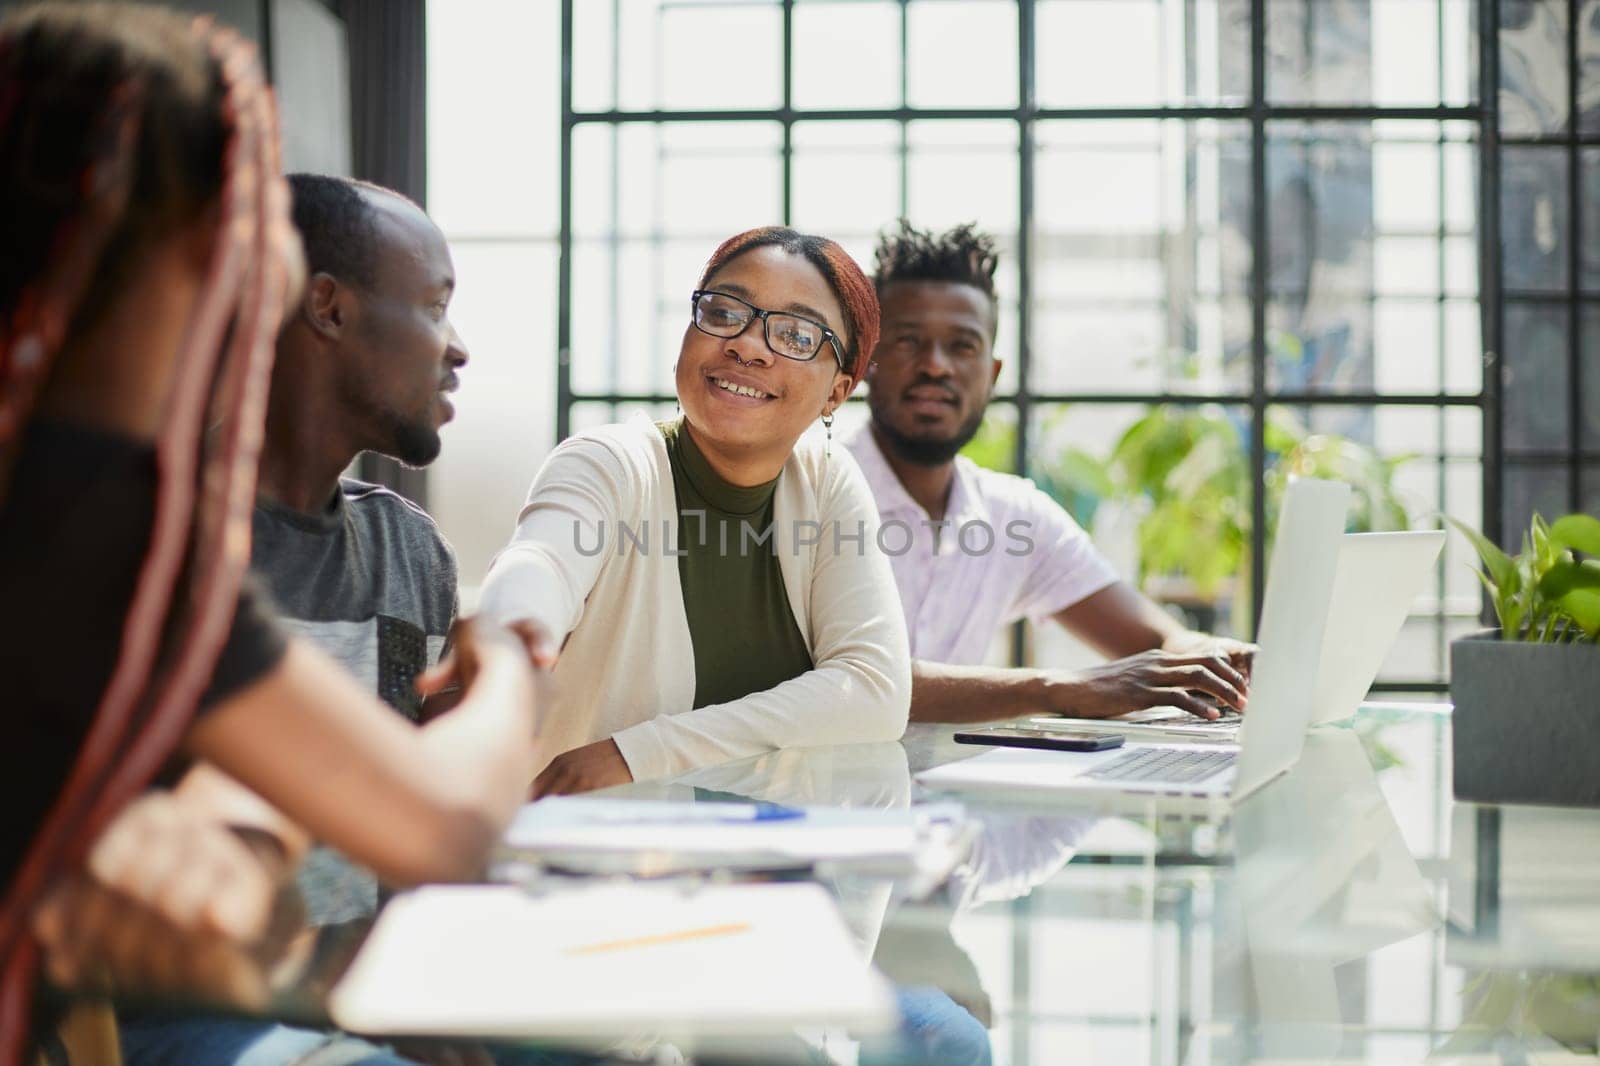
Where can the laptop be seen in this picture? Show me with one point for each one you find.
(1378, 579)
(1380, 576)
(1294, 617)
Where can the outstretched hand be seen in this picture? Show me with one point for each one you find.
(458, 669)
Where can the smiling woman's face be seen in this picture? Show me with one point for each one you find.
(716, 376)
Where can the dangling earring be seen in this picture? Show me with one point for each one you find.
(827, 424)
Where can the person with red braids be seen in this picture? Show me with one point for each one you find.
(714, 582)
(149, 259)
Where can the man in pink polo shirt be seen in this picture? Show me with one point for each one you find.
(974, 550)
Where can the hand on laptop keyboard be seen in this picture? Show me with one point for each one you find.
(1224, 712)
(1148, 679)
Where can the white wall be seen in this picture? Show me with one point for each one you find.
(494, 71)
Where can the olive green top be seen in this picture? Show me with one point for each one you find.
(744, 634)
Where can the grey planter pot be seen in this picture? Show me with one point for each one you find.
(1526, 727)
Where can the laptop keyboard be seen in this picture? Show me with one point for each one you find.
(1229, 720)
(1163, 764)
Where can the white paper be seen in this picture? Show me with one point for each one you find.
(569, 824)
(602, 962)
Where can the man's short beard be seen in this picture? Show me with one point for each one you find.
(922, 451)
(412, 440)
(413, 443)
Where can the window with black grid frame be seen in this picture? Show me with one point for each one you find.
(1271, 228)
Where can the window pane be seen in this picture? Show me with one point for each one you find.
(964, 172)
(1533, 66)
(1463, 347)
(1138, 283)
(710, 179)
(1104, 53)
(1407, 345)
(1588, 68)
(1536, 378)
(1534, 222)
(846, 181)
(505, 310)
(1321, 272)
(630, 305)
(1406, 185)
(963, 53)
(846, 54)
(1366, 241)
(1589, 241)
(1589, 327)
(662, 54)
(1385, 53)
(1531, 487)
(481, 54)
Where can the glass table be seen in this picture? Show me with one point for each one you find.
(1349, 911)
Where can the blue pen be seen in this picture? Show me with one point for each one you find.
(704, 814)
(772, 812)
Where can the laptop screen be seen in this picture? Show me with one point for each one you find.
(1294, 615)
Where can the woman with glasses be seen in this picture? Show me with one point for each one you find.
(717, 583)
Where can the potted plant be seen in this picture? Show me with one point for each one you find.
(1527, 696)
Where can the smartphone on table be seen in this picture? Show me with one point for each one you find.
(1051, 739)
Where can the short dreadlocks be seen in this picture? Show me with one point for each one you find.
(961, 254)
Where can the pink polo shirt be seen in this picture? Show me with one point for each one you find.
(1004, 551)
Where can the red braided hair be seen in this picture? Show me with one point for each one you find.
(188, 584)
(850, 286)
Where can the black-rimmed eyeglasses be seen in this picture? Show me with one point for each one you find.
(788, 335)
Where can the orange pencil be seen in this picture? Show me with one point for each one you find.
(656, 939)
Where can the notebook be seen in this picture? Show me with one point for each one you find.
(597, 964)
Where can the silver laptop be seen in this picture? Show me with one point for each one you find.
(1294, 616)
(1378, 580)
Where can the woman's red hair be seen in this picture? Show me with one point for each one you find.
(856, 295)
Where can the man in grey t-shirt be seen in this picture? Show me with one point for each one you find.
(364, 364)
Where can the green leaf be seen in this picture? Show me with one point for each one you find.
(1567, 575)
(1544, 553)
(1579, 531)
(1077, 469)
(1496, 562)
(1583, 607)
(1504, 608)
(1282, 436)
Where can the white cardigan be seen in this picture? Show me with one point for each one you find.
(627, 668)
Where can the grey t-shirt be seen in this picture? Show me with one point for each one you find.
(372, 582)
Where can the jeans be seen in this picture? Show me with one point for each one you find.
(934, 1031)
(190, 1041)
(152, 1041)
